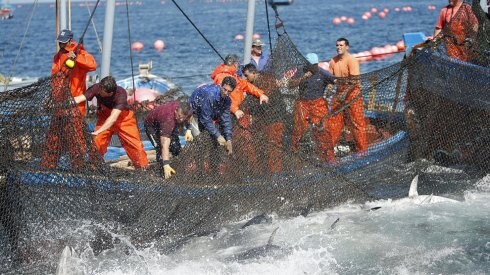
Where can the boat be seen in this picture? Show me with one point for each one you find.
(15, 82)
(280, 2)
(449, 90)
(42, 209)
(6, 11)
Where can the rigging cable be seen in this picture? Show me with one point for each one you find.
(95, 29)
(197, 29)
(130, 52)
(12, 70)
(268, 25)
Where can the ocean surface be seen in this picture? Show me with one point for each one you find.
(27, 42)
(443, 238)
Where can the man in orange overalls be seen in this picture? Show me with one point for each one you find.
(345, 68)
(66, 126)
(312, 107)
(115, 116)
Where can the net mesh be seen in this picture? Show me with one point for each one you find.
(56, 189)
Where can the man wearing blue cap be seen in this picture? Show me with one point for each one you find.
(70, 75)
(312, 107)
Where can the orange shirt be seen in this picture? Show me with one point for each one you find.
(84, 63)
(242, 85)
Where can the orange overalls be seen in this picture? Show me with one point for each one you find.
(459, 26)
(308, 111)
(347, 66)
(66, 127)
(128, 133)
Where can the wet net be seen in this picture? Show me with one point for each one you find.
(56, 189)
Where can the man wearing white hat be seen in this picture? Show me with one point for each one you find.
(258, 58)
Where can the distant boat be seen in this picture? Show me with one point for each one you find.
(280, 2)
(12, 83)
(6, 11)
(147, 86)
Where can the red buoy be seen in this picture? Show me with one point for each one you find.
(137, 46)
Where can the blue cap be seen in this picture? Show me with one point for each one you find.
(65, 36)
(312, 58)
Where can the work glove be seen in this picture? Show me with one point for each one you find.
(221, 140)
(229, 147)
(188, 136)
(239, 114)
(168, 171)
(263, 98)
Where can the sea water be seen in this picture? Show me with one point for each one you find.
(398, 238)
(27, 42)
(445, 238)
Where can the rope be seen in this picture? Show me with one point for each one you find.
(12, 70)
(268, 25)
(130, 52)
(95, 30)
(86, 26)
(197, 29)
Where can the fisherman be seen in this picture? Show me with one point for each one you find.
(115, 116)
(84, 62)
(162, 126)
(268, 119)
(312, 107)
(457, 25)
(345, 68)
(229, 68)
(211, 103)
(257, 57)
(66, 80)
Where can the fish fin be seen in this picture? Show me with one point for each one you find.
(271, 238)
(412, 193)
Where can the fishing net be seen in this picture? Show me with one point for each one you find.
(56, 189)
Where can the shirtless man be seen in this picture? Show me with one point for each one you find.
(345, 68)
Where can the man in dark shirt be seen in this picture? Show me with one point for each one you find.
(212, 103)
(312, 107)
(115, 116)
(162, 127)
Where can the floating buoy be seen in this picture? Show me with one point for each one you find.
(159, 45)
(239, 37)
(343, 18)
(256, 36)
(382, 14)
(137, 46)
(364, 17)
(397, 9)
(386, 10)
(374, 10)
(368, 14)
(350, 21)
(400, 45)
(336, 21)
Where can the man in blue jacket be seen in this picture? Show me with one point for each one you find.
(258, 58)
(211, 105)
